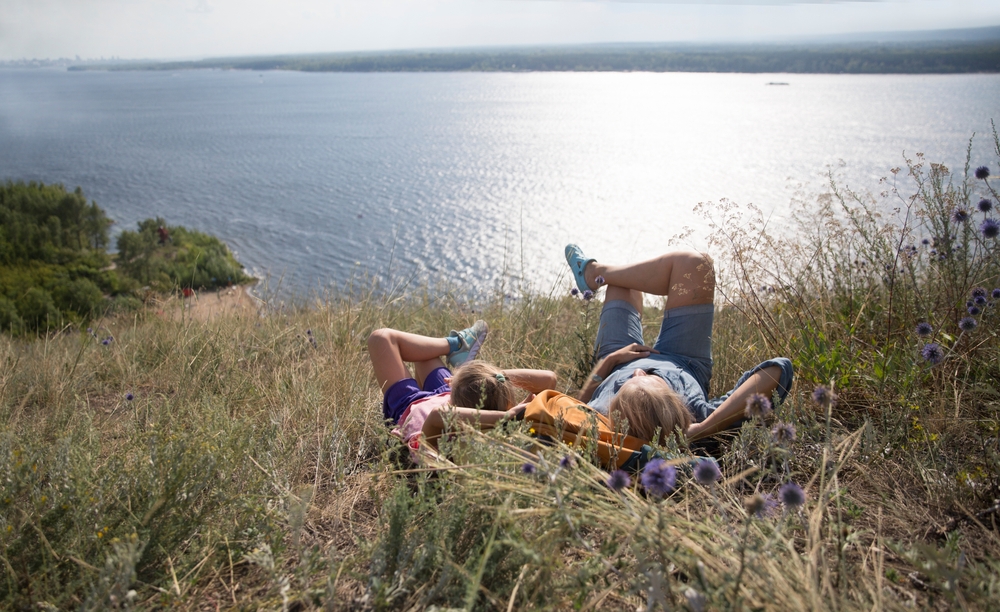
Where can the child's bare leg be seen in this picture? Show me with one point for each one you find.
(684, 277)
(391, 349)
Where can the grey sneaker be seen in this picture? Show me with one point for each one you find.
(472, 339)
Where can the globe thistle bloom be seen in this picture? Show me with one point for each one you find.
(982, 172)
(783, 433)
(824, 397)
(528, 468)
(761, 505)
(978, 292)
(599, 280)
(974, 310)
(925, 241)
(933, 353)
(924, 329)
(567, 462)
(985, 205)
(995, 294)
(969, 304)
(792, 495)
(959, 215)
(707, 472)
(106, 341)
(574, 291)
(618, 480)
(967, 324)
(129, 397)
(758, 406)
(990, 227)
(658, 477)
(588, 295)
(980, 300)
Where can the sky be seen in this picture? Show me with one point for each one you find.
(192, 29)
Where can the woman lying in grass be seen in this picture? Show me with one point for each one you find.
(671, 377)
(420, 405)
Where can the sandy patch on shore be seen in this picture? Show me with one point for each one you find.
(208, 305)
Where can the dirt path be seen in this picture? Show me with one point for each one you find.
(208, 305)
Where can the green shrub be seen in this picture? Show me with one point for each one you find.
(38, 310)
(188, 259)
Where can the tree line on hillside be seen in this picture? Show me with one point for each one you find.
(836, 59)
(55, 269)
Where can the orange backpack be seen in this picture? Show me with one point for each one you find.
(555, 416)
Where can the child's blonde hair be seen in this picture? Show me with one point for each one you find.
(477, 384)
(649, 405)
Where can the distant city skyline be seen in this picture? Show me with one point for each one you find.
(191, 29)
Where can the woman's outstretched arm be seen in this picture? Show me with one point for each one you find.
(763, 381)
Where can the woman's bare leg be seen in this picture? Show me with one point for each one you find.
(684, 278)
(390, 350)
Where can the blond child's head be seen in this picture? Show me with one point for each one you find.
(477, 384)
(648, 403)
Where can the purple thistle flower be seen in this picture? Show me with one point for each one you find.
(567, 462)
(974, 310)
(982, 172)
(707, 472)
(783, 433)
(529, 468)
(309, 332)
(980, 300)
(758, 406)
(618, 480)
(658, 477)
(959, 215)
(599, 280)
(969, 304)
(574, 291)
(129, 397)
(979, 292)
(925, 241)
(823, 396)
(967, 324)
(588, 295)
(106, 341)
(990, 227)
(985, 205)
(792, 495)
(761, 505)
(995, 294)
(932, 352)
(924, 329)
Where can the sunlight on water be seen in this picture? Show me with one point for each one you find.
(474, 179)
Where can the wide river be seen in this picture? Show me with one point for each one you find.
(474, 179)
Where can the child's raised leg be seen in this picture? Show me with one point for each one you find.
(390, 350)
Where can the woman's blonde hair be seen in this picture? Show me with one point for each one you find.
(649, 405)
(477, 384)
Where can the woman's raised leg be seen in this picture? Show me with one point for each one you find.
(683, 277)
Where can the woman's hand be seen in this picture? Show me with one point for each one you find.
(515, 413)
(630, 353)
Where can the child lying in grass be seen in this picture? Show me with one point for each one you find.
(419, 405)
(665, 384)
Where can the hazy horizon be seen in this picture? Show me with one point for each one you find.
(194, 29)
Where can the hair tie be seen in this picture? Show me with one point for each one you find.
(501, 378)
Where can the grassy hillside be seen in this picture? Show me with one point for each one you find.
(242, 464)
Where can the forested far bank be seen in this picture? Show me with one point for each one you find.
(895, 58)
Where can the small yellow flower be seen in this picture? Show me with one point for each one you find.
(44, 499)
(100, 534)
(531, 430)
(10, 528)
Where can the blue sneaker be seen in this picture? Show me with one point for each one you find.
(577, 264)
(471, 339)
